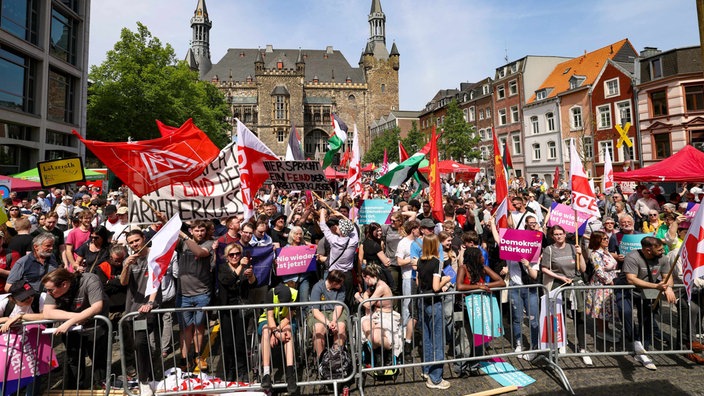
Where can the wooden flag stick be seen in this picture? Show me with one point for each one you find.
(495, 391)
(667, 278)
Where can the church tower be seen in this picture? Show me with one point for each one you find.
(380, 67)
(198, 56)
(377, 31)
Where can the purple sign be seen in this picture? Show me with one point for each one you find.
(692, 208)
(563, 216)
(520, 244)
(295, 260)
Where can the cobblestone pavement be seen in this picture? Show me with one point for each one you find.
(609, 376)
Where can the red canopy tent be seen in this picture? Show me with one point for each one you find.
(687, 165)
(450, 166)
(331, 174)
(21, 185)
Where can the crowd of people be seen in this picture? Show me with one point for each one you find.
(70, 258)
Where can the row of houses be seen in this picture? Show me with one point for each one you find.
(537, 104)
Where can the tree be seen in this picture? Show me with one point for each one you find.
(460, 140)
(386, 140)
(141, 81)
(414, 141)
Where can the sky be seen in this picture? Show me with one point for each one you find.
(442, 42)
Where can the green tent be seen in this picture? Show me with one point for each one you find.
(33, 175)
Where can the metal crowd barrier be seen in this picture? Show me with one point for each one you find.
(458, 338)
(36, 361)
(230, 339)
(668, 332)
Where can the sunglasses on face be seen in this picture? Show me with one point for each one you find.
(234, 254)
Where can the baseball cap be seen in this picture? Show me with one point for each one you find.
(22, 291)
(427, 223)
(284, 293)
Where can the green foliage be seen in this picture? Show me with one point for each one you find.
(414, 141)
(386, 140)
(141, 81)
(460, 140)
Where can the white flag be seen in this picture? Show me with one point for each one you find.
(583, 198)
(607, 180)
(163, 246)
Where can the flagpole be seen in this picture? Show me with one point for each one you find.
(576, 237)
(335, 212)
(667, 278)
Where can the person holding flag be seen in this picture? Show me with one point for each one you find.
(133, 270)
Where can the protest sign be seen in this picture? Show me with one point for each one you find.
(68, 170)
(5, 188)
(563, 216)
(552, 328)
(295, 260)
(692, 208)
(297, 175)
(484, 317)
(375, 211)
(631, 242)
(215, 194)
(261, 259)
(520, 244)
(25, 356)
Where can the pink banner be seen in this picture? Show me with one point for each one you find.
(26, 355)
(563, 216)
(295, 260)
(520, 244)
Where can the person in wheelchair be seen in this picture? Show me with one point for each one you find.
(277, 327)
(327, 318)
(381, 326)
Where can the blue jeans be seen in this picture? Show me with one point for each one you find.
(190, 318)
(624, 304)
(526, 298)
(433, 345)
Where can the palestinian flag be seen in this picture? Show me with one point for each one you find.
(336, 141)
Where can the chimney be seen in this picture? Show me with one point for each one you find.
(269, 48)
(649, 51)
(328, 49)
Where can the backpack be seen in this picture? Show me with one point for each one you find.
(334, 363)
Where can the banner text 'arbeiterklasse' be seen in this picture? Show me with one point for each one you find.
(214, 194)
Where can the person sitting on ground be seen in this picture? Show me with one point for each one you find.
(277, 327)
(381, 325)
(326, 317)
(17, 307)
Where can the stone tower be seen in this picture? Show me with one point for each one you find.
(198, 56)
(380, 67)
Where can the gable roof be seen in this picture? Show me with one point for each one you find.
(327, 65)
(587, 66)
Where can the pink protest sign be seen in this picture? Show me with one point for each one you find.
(26, 355)
(520, 244)
(295, 260)
(692, 209)
(563, 216)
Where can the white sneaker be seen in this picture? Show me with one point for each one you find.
(586, 359)
(646, 362)
(519, 348)
(440, 385)
(562, 350)
(638, 348)
(145, 389)
(529, 356)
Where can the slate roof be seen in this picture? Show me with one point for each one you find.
(587, 66)
(323, 64)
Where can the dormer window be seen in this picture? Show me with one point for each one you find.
(542, 94)
(502, 72)
(576, 81)
(485, 89)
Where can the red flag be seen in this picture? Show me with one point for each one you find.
(583, 198)
(251, 154)
(148, 165)
(556, 178)
(165, 130)
(692, 254)
(345, 158)
(508, 163)
(163, 246)
(402, 154)
(435, 194)
(501, 212)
